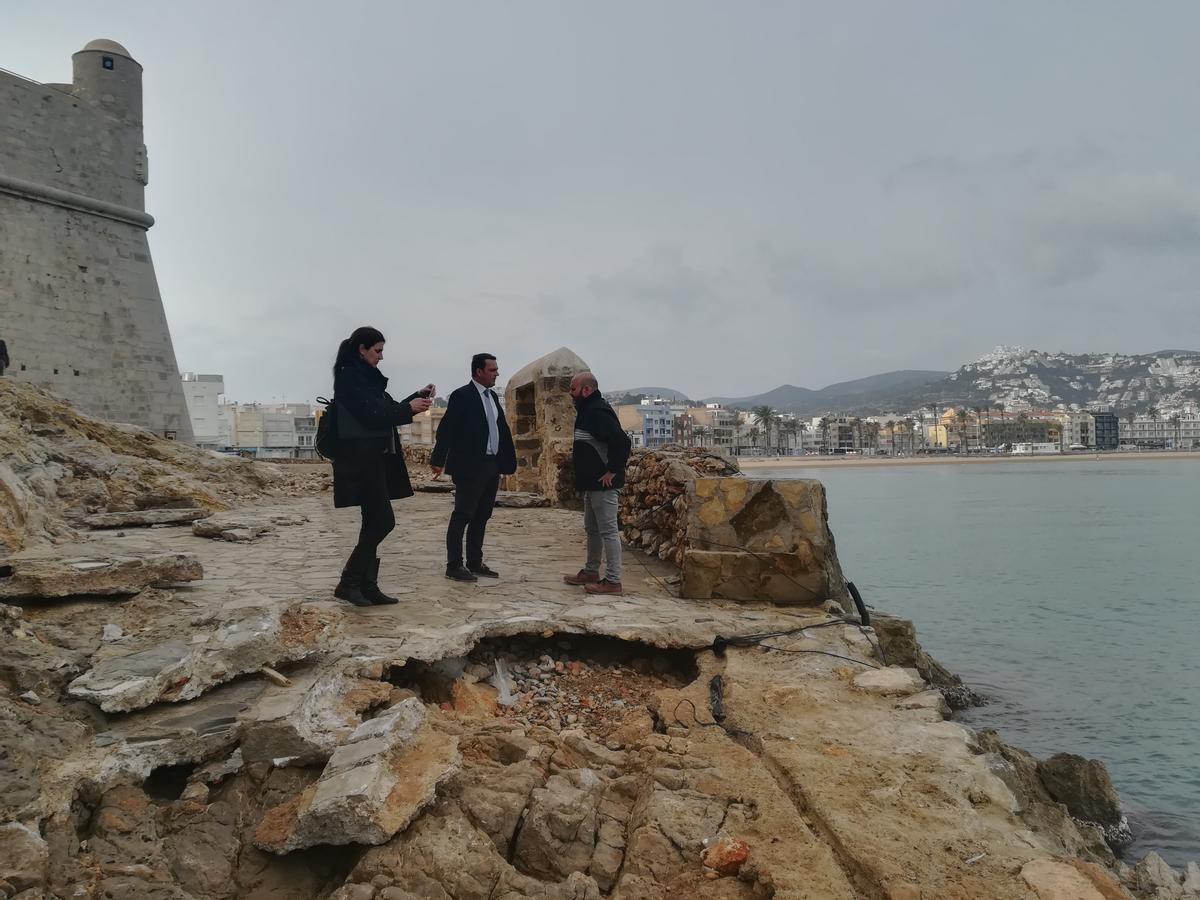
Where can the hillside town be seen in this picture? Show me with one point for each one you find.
(287, 430)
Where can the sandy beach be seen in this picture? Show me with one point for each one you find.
(749, 463)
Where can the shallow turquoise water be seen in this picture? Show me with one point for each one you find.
(1066, 592)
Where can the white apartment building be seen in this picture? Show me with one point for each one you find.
(268, 431)
(1160, 431)
(202, 393)
(1078, 429)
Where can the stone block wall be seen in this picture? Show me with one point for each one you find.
(538, 405)
(732, 537)
(80, 308)
(760, 539)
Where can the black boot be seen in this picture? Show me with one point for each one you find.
(349, 587)
(370, 586)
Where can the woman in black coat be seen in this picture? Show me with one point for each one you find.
(369, 471)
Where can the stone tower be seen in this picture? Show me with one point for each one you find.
(79, 303)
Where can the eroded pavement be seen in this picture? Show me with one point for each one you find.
(246, 735)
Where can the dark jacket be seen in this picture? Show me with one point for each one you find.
(462, 436)
(366, 419)
(601, 445)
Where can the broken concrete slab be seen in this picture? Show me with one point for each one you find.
(42, 576)
(373, 786)
(176, 669)
(142, 517)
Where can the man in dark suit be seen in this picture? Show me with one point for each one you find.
(475, 447)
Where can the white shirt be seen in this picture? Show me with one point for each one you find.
(489, 408)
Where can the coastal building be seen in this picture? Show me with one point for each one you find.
(1022, 429)
(1177, 431)
(268, 430)
(1078, 430)
(1106, 428)
(423, 430)
(648, 422)
(202, 393)
(714, 426)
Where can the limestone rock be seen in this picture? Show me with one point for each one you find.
(1083, 786)
(521, 500)
(179, 668)
(23, 856)
(559, 832)
(46, 577)
(892, 681)
(142, 517)
(1156, 879)
(372, 786)
(898, 640)
(430, 486)
(305, 724)
(1068, 879)
(636, 725)
(242, 527)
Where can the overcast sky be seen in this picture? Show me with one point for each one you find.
(715, 197)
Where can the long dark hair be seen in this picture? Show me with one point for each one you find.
(364, 336)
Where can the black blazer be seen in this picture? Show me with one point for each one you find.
(462, 436)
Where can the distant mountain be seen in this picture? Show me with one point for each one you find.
(1018, 378)
(634, 394)
(858, 394)
(1024, 379)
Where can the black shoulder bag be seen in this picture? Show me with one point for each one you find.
(328, 444)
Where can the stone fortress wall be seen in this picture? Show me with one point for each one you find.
(80, 308)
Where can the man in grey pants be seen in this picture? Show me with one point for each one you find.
(600, 452)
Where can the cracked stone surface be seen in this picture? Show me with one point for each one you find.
(243, 527)
(182, 666)
(373, 785)
(143, 517)
(42, 575)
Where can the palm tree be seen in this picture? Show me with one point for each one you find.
(873, 429)
(801, 428)
(826, 421)
(909, 424)
(754, 433)
(699, 433)
(788, 429)
(764, 417)
(961, 417)
(1175, 420)
(999, 411)
(1023, 427)
(978, 426)
(856, 432)
(1130, 416)
(921, 423)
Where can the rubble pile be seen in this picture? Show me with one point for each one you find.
(654, 501)
(60, 468)
(606, 689)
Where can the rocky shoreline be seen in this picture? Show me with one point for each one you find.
(215, 726)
